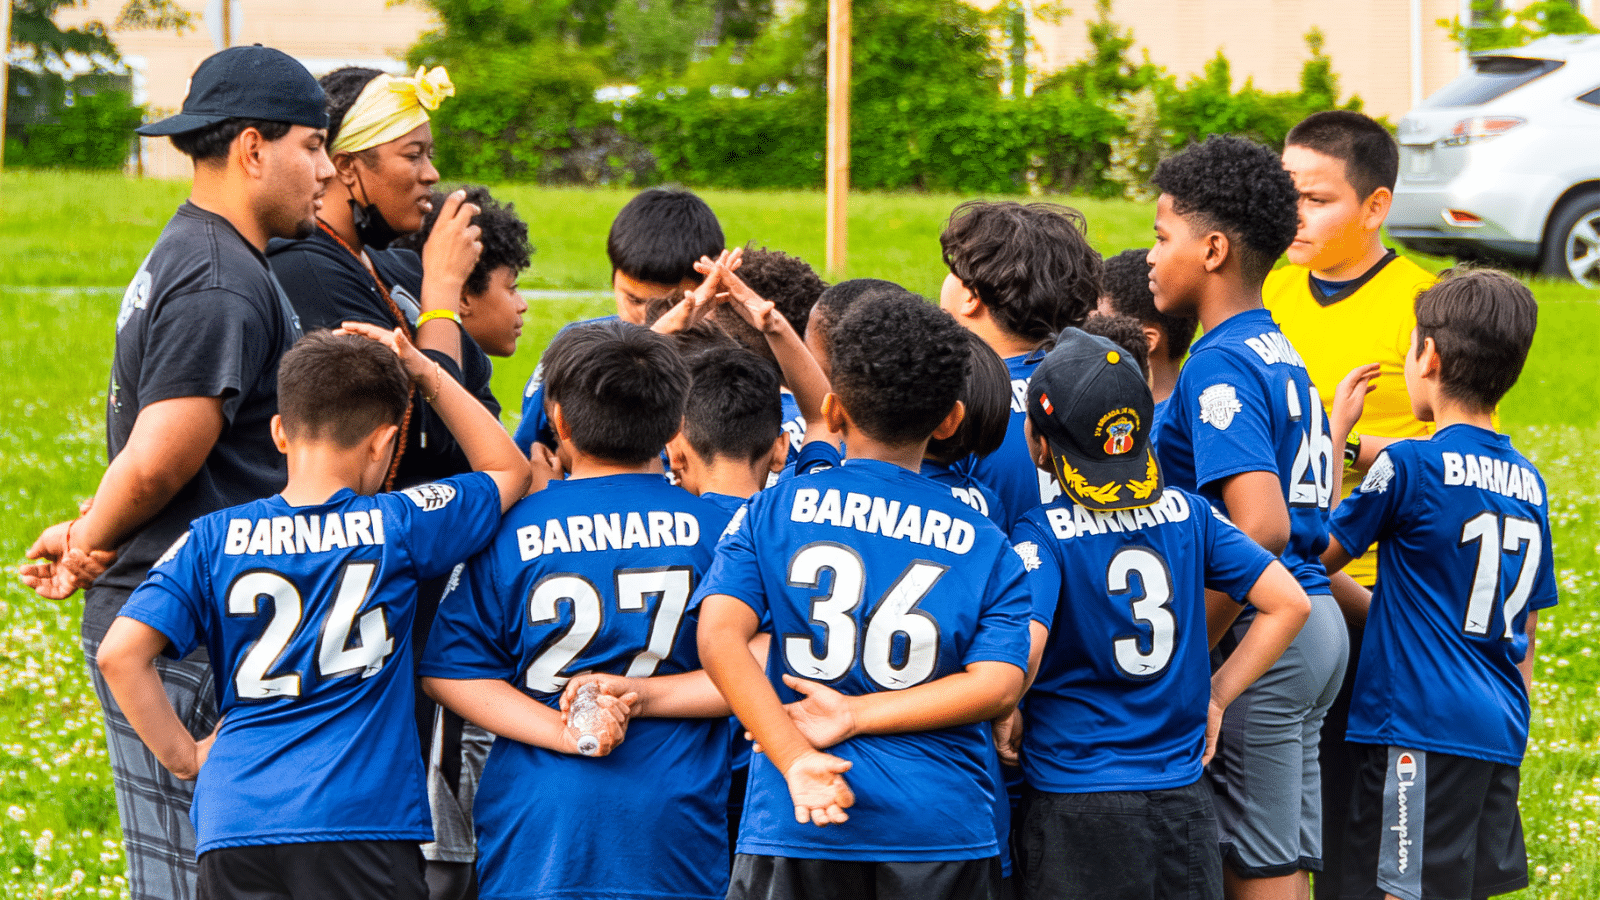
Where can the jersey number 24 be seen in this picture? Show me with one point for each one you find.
(253, 679)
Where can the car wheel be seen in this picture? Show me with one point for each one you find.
(1572, 243)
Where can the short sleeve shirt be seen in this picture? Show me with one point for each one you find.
(1009, 471)
(1244, 403)
(1465, 555)
(307, 614)
(203, 317)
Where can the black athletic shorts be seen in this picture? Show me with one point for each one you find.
(781, 878)
(328, 870)
(1430, 826)
(1119, 844)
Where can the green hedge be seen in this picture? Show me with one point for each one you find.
(94, 132)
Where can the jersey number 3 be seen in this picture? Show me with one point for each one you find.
(252, 681)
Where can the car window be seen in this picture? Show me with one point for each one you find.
(1491, 77)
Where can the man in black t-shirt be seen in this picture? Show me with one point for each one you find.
(193, 390)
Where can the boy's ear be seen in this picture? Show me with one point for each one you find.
(558, 423)
(952, 421)
(1428, 359)
(381, 442)
(1039, 449)
(678, 453)
(833, 413)
(1375, 209)
(280, 438)
(1218, 247)
(780, 453)
(1153, 336)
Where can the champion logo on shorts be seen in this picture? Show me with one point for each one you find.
(1218, 404)
(430, 497)
(1379, 476)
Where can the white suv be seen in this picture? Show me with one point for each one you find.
(1503, 163)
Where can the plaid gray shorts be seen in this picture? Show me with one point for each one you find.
(157, 839)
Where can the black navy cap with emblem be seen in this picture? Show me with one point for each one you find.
(253, 82)
(1089, 400)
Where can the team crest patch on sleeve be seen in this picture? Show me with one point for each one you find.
(430, 497)
(1029, 552)
(173, 550)
(1218, 405)
(1379, 476)
(534, 381)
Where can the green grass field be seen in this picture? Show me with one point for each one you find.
(69, 243)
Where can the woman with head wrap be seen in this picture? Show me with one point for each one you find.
(382, 149)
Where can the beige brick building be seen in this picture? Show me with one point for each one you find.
(323, 34)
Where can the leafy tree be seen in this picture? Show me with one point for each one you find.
(1493, 28)
(1107, 72)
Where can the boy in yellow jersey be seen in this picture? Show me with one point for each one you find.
(1346, 301)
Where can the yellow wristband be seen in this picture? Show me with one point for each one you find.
(432, 314)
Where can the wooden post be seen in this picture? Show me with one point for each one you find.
(227, 24)
(838, 134)
(5, 74)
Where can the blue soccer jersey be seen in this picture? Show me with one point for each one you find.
(1465, 553)
(875, 579)
(1120, 699)
(969, 490)
(306, 612)
(595, 574)
(535, 425)
(1009, 471)
(1244, 403)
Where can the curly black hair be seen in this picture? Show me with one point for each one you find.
(343, 86)
(504, 237)
(1030, 264)
(1124, 331)
(788, 281)
(1240, 188)
(899, 365)
(1126, 284)
(835, 300)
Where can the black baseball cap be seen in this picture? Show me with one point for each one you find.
(1089, 400)
(253, 82)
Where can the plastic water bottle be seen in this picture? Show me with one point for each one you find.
(585, 717)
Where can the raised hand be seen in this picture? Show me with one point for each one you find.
(453, 245)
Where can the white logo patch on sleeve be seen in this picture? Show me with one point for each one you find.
(431, 497)
(1379, 476)
(1029, 552)
(173, 550)
(735, 522)
(1218, 404)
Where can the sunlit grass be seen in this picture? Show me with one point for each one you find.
(58, 827)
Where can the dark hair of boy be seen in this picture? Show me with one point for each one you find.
(621, 389)
(987, 397)
(504, 236)
(1030, 264)
(340, 388)
(1481, 323)
(211, 142)
(659, 234)
(1369, 152)
(1126, 283)
(734, 408)
(1126, 332)
(1240, 188)
(899, 365)
(832, 303)
(788, 281)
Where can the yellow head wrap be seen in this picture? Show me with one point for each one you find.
(389, 108)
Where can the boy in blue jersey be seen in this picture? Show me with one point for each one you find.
(732, 436)
(902, 607)
(1125, 291)
(595, 573)
(1464, 565)
(312, 786)
(654, 242)
(1244, 428)
(1019, 273)
(1123, 708)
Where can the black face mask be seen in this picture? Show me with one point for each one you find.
(372, 229)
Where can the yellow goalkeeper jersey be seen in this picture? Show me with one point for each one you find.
(1370, 320)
